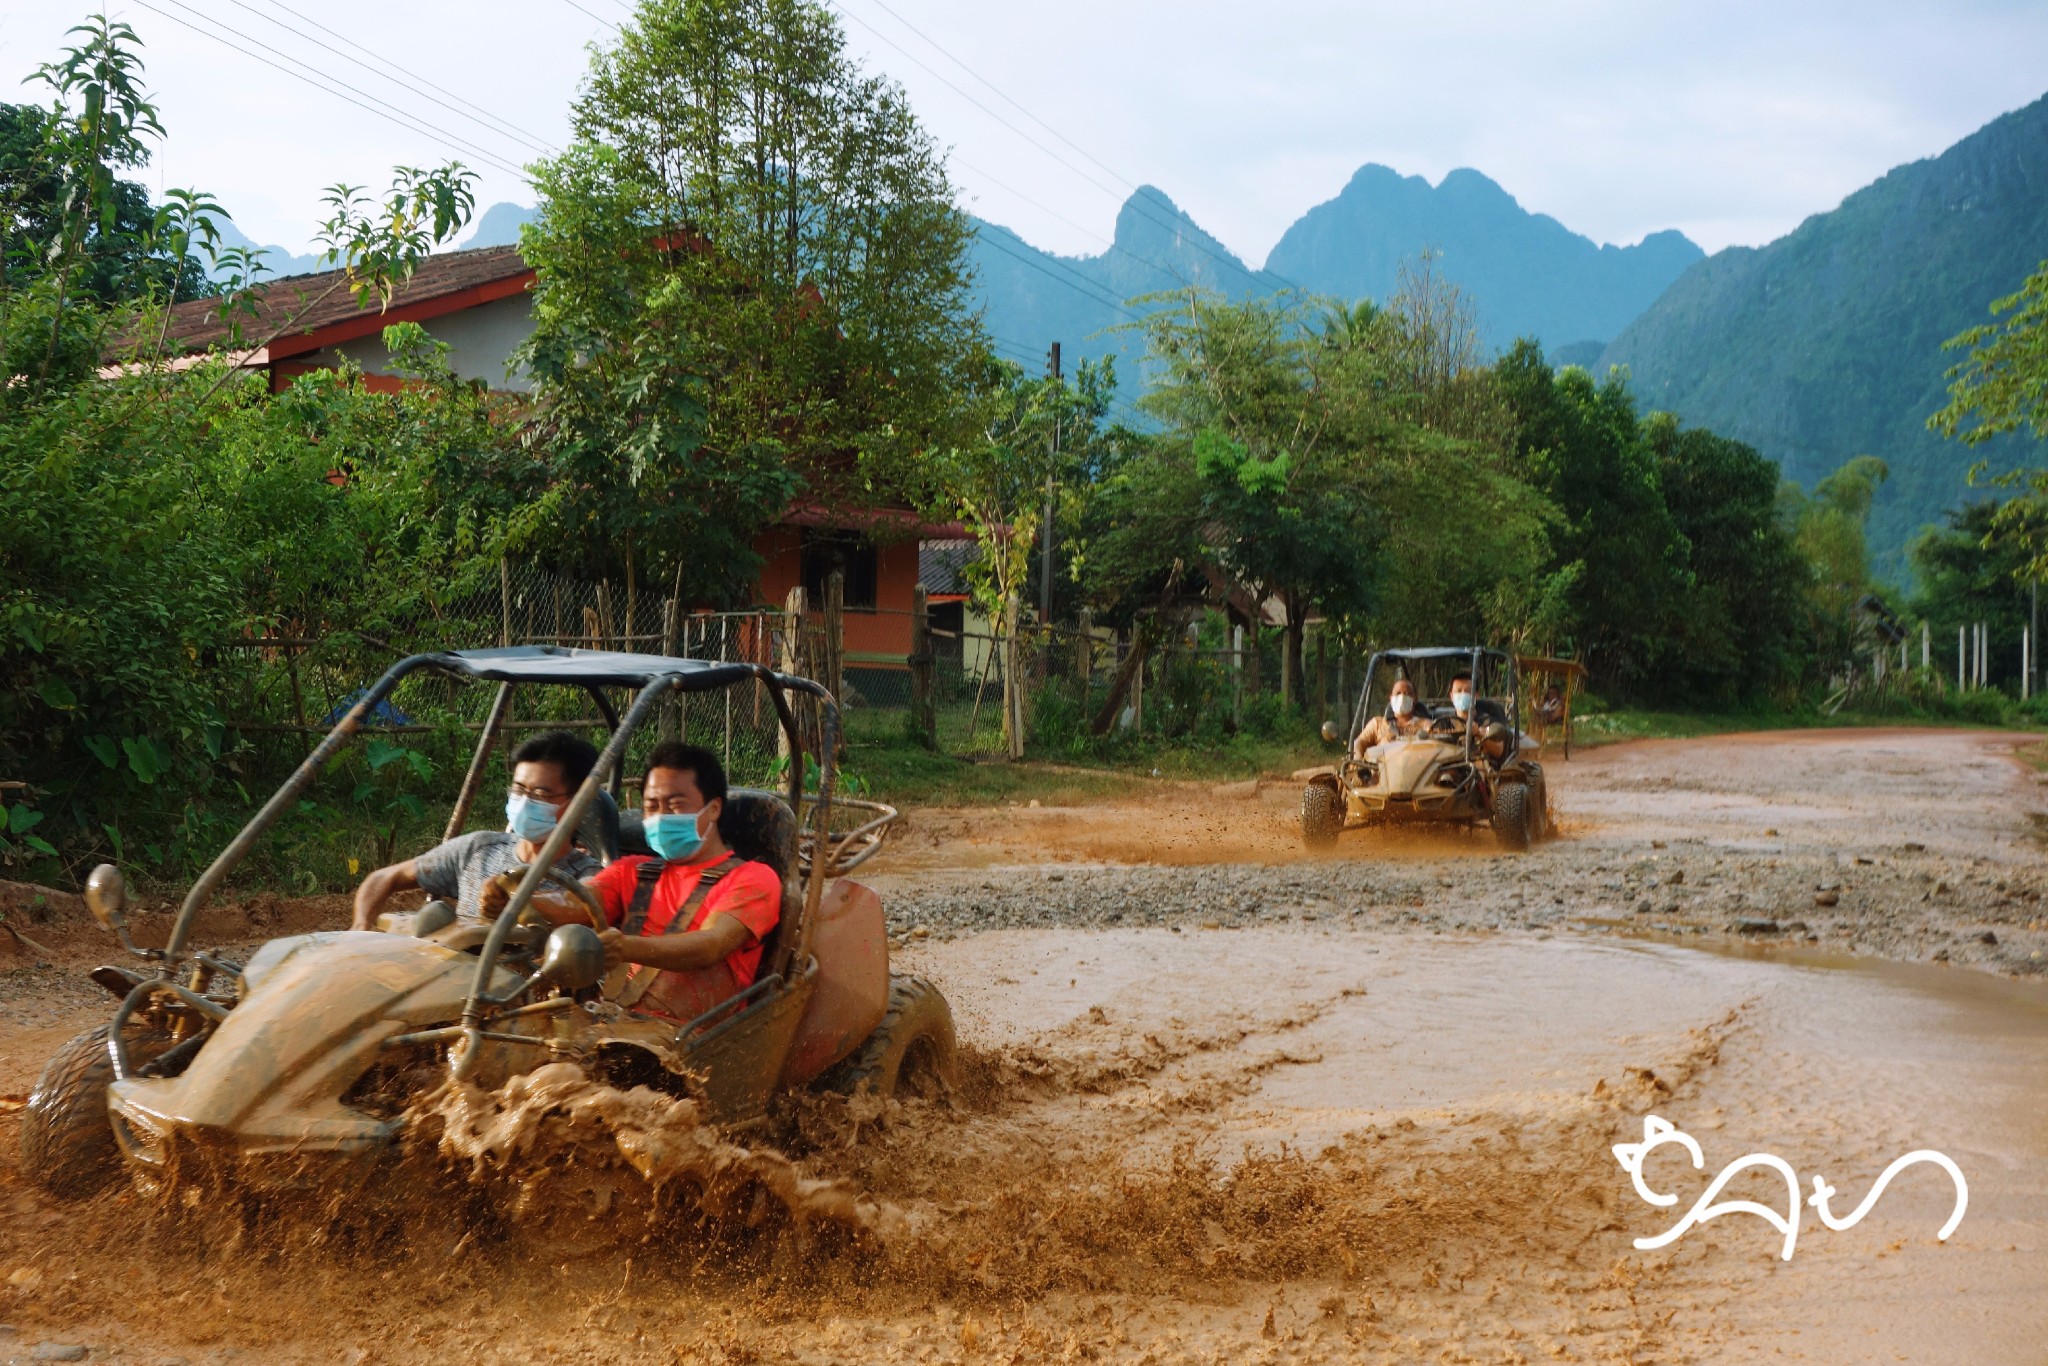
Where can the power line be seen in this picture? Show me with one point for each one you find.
(1085, 288)
(594, 15)
(1136, 202)
(503, 127)
(444, 138)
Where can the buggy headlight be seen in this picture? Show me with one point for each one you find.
(1453, 775)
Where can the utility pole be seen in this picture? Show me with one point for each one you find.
(1045, 575)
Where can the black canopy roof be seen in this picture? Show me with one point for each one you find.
(1444, 652)
(598, 668)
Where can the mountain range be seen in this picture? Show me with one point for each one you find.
(1526, 273)
(1826, 344)
(1815, 348)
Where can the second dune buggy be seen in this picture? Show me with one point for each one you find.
(1476, 770)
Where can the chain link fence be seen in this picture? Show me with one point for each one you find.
(974, 691)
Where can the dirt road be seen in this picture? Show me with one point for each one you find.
(1368, 1116)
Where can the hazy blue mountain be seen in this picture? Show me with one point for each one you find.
(1031, 298)
(1526, 273)
(498, 226)
(1826, 343)
(277, 261)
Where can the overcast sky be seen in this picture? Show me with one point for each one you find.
(1729, 121)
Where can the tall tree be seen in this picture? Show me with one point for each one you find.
(751, 283)
(1581, 444)
(1264, 433)
(1737, 633)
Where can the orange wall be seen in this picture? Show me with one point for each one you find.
(884, 632)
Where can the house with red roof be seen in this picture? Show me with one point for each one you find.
(480, 304)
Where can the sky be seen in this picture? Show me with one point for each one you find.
(1730, 121)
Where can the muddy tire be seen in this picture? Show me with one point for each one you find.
(1514, 816)
(911, 1053)
(67, 1143)
(1322, 815)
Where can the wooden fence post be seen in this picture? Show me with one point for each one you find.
(923, 706)
(793, 663)
(671, 711)
(1013, 684)
(1138, 686)
(504, 601)
(1236, 677)
(835, 636)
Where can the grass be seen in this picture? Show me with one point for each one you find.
(897, 771)
(1614, 726)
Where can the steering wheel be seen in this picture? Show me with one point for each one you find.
(591, 905)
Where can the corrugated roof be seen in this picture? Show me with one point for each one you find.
(320, 300)
(942, 565)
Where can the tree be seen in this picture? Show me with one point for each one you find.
(1738, 633)
(751, 283)
(1264, 437)
(1978, 568)
(2002, 384)
(1827, 529)
(1581, 445)
(124, 260)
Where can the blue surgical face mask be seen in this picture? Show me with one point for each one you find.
(1462, 701)
(529, 819)
(674, 837)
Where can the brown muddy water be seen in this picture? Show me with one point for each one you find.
(1282, 1144)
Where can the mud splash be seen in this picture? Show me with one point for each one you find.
(558, 1140)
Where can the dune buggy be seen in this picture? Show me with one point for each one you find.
(1477, 770)
(316, 1045)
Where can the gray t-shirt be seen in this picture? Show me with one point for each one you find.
(457, 871)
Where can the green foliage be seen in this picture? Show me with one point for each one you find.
(1582, 446)
(750, 288)
(1827, 342)
(156, 515)
(2002, 384)
(1738, 634)
(1978, 567)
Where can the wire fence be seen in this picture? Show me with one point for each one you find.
(958, 682)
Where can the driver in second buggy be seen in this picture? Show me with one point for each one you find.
(686, 927)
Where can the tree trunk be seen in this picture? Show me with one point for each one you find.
(1120, 684)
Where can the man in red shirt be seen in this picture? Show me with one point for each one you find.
(688, 924)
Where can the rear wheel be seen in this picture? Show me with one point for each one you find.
(67, 1142)
(1513, 819)
(1322, 815)
(911, 1052)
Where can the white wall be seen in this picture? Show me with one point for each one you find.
(480, 340)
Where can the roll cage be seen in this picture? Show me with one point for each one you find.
(1495, 678)
(655, 677)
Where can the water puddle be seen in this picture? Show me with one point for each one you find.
(1291, 1040)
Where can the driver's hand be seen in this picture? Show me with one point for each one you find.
(616, 947)
(493, 895)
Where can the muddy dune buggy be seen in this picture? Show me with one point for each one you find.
(1471, 771)
(316, 1045)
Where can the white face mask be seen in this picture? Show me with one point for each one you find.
(1402, 704)
(1462, 701)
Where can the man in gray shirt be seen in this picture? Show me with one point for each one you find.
(546, 771)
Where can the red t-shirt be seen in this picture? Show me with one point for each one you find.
(750, 893)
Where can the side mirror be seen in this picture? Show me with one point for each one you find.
(1329, 732)
(106, 895)
(573, 959)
